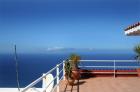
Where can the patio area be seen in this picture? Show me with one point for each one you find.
(103, 84)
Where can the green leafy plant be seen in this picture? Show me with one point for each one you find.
(137, 50)
(68, 69)
(71, 67)
(74, 60)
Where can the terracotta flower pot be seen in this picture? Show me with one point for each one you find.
(76, 74)
(138, 71)
(70, 82)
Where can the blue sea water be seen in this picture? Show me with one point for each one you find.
(32, 66)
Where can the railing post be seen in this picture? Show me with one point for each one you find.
(57, 79)
(114, 69)
(63, 69)
(43, 82)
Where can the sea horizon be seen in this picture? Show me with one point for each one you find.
(32, 66)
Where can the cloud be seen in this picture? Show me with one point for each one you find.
(68, 49)
(55, 48)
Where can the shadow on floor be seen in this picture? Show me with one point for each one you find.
(79, 83)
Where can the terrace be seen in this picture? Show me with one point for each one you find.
(115, 76)
(103, 84)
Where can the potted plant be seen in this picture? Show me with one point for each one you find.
(68, 73)
(137, 50)
(74, 61)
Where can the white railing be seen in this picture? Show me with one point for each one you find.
(113, 67)
(58, 71)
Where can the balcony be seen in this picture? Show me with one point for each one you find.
(115, 76)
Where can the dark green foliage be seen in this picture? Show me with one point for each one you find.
(68, 69)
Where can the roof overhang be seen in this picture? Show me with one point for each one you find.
(133, 30)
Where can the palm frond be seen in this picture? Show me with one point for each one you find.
(137, 49)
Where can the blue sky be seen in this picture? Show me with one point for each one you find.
(36, 25)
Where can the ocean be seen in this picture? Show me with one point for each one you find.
(32, 66)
